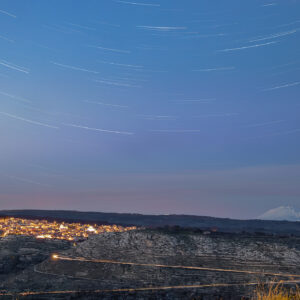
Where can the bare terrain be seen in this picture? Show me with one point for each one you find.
(168, 263)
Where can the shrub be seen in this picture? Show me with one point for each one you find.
(277, 292)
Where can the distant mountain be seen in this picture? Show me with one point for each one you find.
(282, 213)
(199, 222)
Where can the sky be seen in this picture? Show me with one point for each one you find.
(155, 107)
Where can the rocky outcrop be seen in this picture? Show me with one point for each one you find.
(159, 247)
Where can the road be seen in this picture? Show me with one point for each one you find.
(104, 261)
(152, 288)
(57, 257)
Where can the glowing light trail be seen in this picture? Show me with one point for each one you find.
(82, 259)
(160, 288)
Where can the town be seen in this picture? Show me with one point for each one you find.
(43, 229)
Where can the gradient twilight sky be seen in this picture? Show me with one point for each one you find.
(165, 106)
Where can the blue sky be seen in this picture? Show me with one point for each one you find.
(150, 106)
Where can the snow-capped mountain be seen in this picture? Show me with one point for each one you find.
(281, 213)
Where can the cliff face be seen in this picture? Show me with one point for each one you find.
(143, 258)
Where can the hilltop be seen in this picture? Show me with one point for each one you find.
(154, 221)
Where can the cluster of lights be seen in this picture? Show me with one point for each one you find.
(43, 229)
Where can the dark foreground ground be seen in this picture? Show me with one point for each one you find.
(146, 264)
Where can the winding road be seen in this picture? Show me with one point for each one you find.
(104, 261)
(56, 257)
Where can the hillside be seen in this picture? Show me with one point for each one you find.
(224, 225)
(149, 264)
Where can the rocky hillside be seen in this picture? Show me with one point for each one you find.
(150, 264)
(156, 246)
